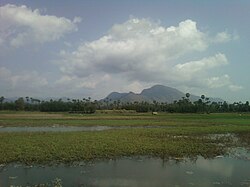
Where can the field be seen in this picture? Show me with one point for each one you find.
(181, 135)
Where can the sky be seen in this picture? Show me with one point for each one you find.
(89, 48)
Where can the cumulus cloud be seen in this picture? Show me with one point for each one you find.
(131, 56)
(141, 51)
(190, 69)
(21, 25)
(138, 47)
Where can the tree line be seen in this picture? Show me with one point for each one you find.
(86, 105)
(31, 104)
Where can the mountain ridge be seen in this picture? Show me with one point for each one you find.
(158, 93)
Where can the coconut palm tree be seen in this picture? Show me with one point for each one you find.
(1, 101)
(187, 95)
(203, 97)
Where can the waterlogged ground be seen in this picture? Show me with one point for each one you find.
(232, 170)
(60, 128)
(124, 149)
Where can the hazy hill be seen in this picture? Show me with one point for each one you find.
(157, 93)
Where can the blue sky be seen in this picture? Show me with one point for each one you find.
(83, 48)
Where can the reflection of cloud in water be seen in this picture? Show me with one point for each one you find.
(119, 182)
(141, 182)
(136, 172)
(219, 166)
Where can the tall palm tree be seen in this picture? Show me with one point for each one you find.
(1, 101)
(203, 97)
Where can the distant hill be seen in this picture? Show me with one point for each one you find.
(157, 93)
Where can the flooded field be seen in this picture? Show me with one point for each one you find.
(54, 129)
(124, 150)
(72, 128)
(232, 170)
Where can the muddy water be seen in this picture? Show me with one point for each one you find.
(136, 172)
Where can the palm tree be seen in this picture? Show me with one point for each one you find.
(187, 95)
(203, 97)
(27, 98)
(1, 101)
(203, 103)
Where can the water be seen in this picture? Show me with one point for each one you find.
(136, 172)
(54, 129)
(71, 128)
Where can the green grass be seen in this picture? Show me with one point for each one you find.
(116, 119)
(77, 146)
(190, 137)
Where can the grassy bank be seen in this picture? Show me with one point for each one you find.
(191, 136)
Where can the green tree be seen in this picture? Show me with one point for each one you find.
(27, 99)
(203, 97)
(19, 103)
(246, 106)
(1, 102)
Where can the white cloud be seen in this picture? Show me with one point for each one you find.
(143, 51)
(21, 25)
(77, 20)
(222, 81)
(217, 82)
(190, 69)
(224, 37)
(235, 88)
(134, 86)
(138, 47)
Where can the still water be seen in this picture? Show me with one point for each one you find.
(54, 129)
(135, 172)
(71, 128)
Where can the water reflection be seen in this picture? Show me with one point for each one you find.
(225, 168)
(226, 171)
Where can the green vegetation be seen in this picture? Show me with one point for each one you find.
(77, 146)
(192, 135)
(113, 118)
(86, 106)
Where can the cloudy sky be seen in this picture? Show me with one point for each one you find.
(81, 48)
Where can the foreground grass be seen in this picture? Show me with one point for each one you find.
(68, 147)
(77, 146)
(191, 136)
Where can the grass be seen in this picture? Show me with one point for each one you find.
(77, 146)
(191, 136)
(116, 119)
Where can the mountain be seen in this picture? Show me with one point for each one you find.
(161, 93)
(157, 93)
